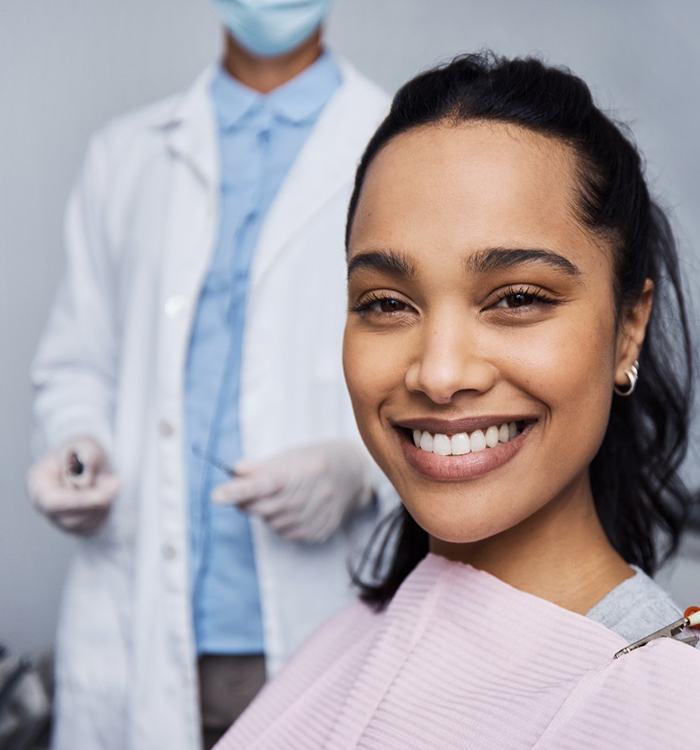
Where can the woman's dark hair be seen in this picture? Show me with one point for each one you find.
(640, 498)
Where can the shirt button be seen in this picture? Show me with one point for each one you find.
(166, 429)
(175, 305)
(169, 551)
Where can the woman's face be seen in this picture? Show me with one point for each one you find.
(481, 346)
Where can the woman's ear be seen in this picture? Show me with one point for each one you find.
(633, 327)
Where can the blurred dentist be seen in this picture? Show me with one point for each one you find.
(199, 322)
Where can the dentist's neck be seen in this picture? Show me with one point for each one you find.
(264, 74)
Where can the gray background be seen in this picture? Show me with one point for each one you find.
(67, 66)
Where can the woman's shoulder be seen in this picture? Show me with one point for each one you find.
(644, 699)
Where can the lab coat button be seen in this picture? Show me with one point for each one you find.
(169, 551)
(166, 429)
(174, 305)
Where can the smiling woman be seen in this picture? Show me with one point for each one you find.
(506, 265)
(510, 285)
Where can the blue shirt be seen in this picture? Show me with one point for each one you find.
(260, 136)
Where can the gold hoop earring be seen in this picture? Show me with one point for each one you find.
(632, 375)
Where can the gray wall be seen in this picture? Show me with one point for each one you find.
(66, 66)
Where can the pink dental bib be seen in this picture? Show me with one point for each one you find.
(461, 660)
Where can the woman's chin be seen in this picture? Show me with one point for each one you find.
(451, 524)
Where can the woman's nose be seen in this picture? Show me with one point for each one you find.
(449, 362)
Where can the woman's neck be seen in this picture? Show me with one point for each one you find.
(560, 553)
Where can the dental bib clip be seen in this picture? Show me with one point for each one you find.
(676, 630)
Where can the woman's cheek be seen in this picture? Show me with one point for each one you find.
(558, 360)
(562, 365)
(374, 363)
(368, 366)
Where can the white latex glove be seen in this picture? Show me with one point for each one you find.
(75, 494)
(304, 493)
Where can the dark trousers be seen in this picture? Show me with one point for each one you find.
(227, 684)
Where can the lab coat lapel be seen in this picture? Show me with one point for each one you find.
(192, 189)
(190, 130)
(318, 172)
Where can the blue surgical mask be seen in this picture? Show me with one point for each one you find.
(271, 27)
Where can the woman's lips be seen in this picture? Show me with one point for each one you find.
(464, 467)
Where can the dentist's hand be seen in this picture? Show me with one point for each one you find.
(74, 486)
(304, 493)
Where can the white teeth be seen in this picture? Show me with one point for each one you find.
(442, 445)
(460, 444)
(477, 441)
(492, 437)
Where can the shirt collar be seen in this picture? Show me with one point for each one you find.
(297, 100)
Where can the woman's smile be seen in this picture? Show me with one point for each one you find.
(463, 449)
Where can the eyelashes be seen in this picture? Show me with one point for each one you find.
(522, 296)
(381, 304)
(514, 299)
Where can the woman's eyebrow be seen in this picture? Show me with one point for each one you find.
(499, 258)
(386, 261)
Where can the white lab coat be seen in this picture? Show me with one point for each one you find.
(140, 228)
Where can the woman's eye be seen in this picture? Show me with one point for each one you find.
(382, 306)
(390, 305)
(516, 299)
